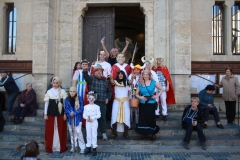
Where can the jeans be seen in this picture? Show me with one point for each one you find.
(212, 111)
(21, 111)
(102, 119)
(190, 128)
(10, 102)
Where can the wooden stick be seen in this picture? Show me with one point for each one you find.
(135, 48)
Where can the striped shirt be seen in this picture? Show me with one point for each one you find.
(161, 78)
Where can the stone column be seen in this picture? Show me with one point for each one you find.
(180, 49)
(42, 45)
(228, 27)
(147, 9)
(161, 27)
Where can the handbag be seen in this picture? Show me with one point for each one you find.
(134, 103)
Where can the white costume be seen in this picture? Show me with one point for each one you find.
(92, 111)
(121, 108)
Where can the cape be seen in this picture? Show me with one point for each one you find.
(170, 92)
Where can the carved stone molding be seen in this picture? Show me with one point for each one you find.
(14, 66)
(214, 67)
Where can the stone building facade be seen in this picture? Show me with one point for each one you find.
(49, 33)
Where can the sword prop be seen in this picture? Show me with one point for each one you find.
(134, 51)
(97, 55)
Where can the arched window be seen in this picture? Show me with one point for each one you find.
(11, 28)
(217, 28)
(236, 29)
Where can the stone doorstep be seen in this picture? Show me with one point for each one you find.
(150, 148)
(171, 124)
(164, 130)
(172, 120)
(137, 140)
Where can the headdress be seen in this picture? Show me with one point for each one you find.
(144, 60)
(84, 60)
(59, 93)
(76, 98)
(136, 66)
(98, 67)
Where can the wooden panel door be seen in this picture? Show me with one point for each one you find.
(98, 22)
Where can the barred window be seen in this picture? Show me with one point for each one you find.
(11, 28)
(217, 28)
(236, 29)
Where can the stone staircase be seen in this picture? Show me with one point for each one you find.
(171, 132)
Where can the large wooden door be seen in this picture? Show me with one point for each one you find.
(98, 22)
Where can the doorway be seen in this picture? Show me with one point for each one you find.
(116, 24)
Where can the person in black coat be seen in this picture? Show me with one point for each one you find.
(11, 88)
(191, 120)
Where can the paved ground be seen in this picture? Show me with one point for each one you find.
(133, 152)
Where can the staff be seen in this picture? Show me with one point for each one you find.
(135, 48)
(73, 134)
(202, 78)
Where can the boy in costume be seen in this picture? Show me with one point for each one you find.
(91, 113)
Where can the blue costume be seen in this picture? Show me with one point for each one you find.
(74, 123)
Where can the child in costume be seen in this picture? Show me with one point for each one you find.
(31, 151)
(73, 110)
(91, 113)
(55, 118)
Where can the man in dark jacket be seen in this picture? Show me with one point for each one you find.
(11, 88)
(101, 86)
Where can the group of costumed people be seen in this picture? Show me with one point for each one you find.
(104, 90)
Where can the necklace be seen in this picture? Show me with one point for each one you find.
(55, 95)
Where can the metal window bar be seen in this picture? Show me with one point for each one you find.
(217, 30)
(236, 29)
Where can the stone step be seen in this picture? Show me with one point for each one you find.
(180, 112)
(31, 128)
(172, 120)
(161, 140)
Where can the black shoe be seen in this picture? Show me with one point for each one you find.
(204, 126)
(156, 116)
(186, 146)
(153, 137)
(165, 118)
(220, 126)
(204, 147)
(87, 150)
(94, 152)
(20, 120)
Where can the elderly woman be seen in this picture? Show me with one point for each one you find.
(145, 92)
(231, 91)
(206, 104)
(27, 103)
(191, 120)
